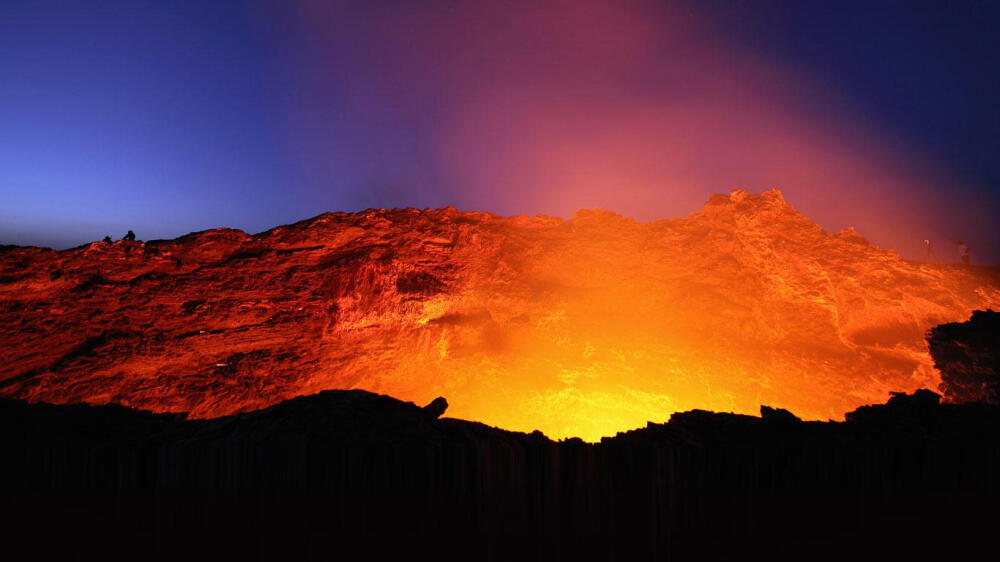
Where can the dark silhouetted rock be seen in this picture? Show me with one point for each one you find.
(968, 356)
(354, 475)
(921, 398)
(437, 407)
(777, 415)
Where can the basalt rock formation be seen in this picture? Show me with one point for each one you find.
(353, 475)
(968, 356)
(577, 327)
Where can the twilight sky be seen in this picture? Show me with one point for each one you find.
(173, 116)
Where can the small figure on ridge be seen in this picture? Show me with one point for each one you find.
(107, 240)
(130, 236)
(963, 252)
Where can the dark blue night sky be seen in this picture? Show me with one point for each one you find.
(169, 117)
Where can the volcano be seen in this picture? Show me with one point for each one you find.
(579, 327)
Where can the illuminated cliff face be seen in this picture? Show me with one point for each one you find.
(575, 327)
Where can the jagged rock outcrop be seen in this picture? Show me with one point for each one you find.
(968, 356)
(347, 474)
(574, 327)
(437, 407)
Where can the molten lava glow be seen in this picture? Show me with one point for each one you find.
(578, 327)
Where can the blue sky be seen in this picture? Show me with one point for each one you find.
(169, 117)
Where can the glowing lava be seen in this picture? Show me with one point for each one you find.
(578, 327)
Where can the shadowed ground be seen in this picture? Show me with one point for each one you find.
(348, 473)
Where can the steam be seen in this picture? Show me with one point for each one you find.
(638, 107)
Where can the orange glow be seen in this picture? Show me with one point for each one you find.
(580, 327)
(601, 324)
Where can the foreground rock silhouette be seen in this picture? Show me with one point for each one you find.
(968, 356)
(354, 475)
